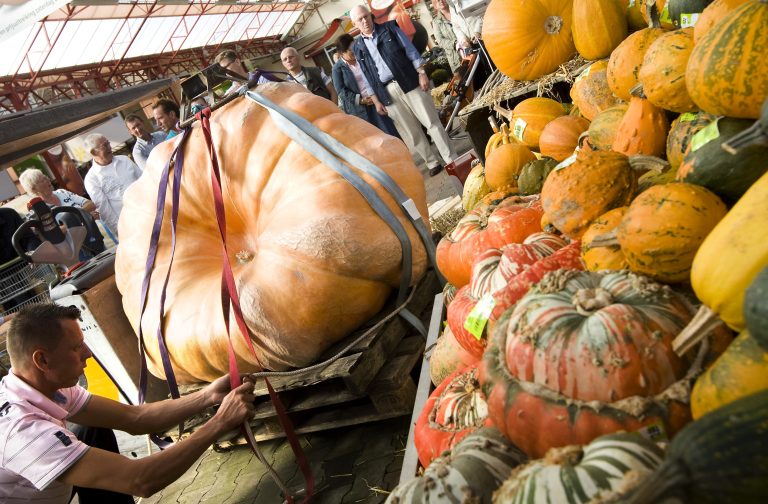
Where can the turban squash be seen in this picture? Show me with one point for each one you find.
(311, 259)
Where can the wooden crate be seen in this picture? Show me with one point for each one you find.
(370, 381)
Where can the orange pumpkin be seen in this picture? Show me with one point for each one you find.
(590, 91)
(643, 129)
(664, 227)
(308, 245)
(530, 116)
(561, 136)
(713, 14)
(727, 73)
(680, 133)
(610, 256)
(504, 164)
(528, 38)
(602, 131)
(662, 11)
(597, 181)
(663, 72)
(631, 10)
(626, 60)
(598, 27)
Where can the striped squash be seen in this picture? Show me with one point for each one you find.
(475, 188)
(469, 473)
(578, 474)
(727, 73)
(448, 357)
(663, 71)
(680, 134)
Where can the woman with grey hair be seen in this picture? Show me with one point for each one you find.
(37, 184)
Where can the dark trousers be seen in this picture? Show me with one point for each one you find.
(98, 437)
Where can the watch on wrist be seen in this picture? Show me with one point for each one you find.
(421, 71)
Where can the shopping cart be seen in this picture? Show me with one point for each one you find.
(22, 283)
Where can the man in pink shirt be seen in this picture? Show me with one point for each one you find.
(41, 460)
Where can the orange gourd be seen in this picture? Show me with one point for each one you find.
(597, 181)
(663, 72)
(504, 164)
(634, 16)
(680, 133)
(713, 14)
(529, 118)
(602, 130)
(727, 73)
(626, 60)
(528, 38)
(561, 136)
(598, 27)
(609, 257)
(590, 91)
(643, 129)
(306, 246)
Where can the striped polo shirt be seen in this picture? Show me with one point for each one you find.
(35, 445)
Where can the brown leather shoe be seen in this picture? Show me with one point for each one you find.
(435, 170)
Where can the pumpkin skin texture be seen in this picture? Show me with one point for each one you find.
(626, 60)
(560, 136)
(533, 175)
(598, 27)
(454, 410)
(325, 245)
(732, 255)
(612, 463)
(727, 175)
(680, 133)
(713, 14)
(643, 129)
(663, 72)
(665, 226)
(756, 308)
(475, 188)
(565, 363)
(590, 91)
(503, 165)
(530, 116)
(740, 371)
(527, 39)
(727, 73)
(608, 257)
(485, 227)
(448, 357)
(602, 131)
(470, 472)
(573, 197)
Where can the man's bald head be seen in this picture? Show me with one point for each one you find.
(362, 19)
(291, 61)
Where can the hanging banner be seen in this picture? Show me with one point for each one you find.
(16, 15)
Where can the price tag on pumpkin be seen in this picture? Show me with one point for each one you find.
(654, 432)
(567, 161)
(519, 128)
(479, 315)
(688, 20)
(664, 16)
(705, 135)
(631, 3)
(687, 117)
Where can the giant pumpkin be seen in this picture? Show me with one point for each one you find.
(312, 261)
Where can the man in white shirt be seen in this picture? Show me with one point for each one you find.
(311, 78)
(41, 460)
(145, 141)
(108, 178)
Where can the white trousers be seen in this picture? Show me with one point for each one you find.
(410, 111)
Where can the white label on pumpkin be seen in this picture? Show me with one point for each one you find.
(687, 117)
(479, 315)
(688, 20)
(567, 161)
(519, 128)
(654, 432)
(705, 135)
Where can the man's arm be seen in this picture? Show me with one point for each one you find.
(146, 476)
(414, 56)
(138, 157)
(332, 91)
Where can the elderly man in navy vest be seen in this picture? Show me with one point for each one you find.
(393, 67)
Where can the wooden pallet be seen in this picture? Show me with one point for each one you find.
(371, 380)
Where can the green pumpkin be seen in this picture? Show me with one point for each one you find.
(470, 472)
(533, 175)
(756, 308)
(677, 8)
(727, 175)
(722, 458)
(475, 188)
(576, 474)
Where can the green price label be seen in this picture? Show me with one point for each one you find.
(519, 128)
(687, 117)
(479, 315)
(664, 16)
(688, 20)
(705, 135)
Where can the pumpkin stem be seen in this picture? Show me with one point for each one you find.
(553, 25)
(701, 325)
(494, 124)
(505, 113)
(647, 163)
(637, 90)
(588, 301)
(567, 455)
(652, 10)
(605, 240)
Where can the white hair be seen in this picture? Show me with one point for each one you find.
(31, 178)
(93, 140)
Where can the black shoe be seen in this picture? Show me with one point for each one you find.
(435, 170)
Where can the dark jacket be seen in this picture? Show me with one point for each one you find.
(346, 86)
(315, 82)
(393, 53)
